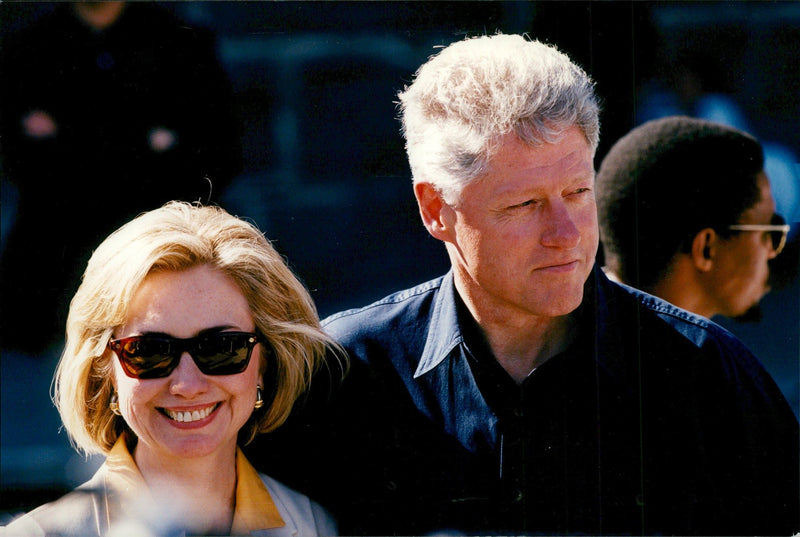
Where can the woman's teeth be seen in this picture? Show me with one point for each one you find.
(189, 416)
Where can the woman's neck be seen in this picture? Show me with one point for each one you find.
(199, 491)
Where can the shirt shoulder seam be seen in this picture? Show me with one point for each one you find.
(392, 299)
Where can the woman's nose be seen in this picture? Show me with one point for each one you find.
(187, 380)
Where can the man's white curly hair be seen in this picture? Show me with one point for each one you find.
(473, 92)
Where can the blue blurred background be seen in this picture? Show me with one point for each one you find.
(323, 172)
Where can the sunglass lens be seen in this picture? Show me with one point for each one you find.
(223, 354)
(778, 237)
(147, 358)
(778, 240)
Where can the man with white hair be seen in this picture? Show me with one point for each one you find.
(523, 392)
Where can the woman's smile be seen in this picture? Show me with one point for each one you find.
(191, 416)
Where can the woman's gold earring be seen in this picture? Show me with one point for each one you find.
(259, 400)
(114, 405)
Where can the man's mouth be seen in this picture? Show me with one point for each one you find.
(559, 266)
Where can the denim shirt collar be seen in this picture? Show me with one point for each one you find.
(600, 305)
(444, 333)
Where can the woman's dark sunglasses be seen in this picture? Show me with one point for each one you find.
(151, 357)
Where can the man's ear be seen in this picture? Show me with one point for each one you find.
(437, 215)
(704, 249)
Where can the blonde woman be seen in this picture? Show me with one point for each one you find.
(188, 336)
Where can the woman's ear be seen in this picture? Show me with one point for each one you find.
(437, 216)
(704, 249)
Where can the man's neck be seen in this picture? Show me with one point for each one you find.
(520, 341)
(681, 286)
(99, 15)
(522, 349)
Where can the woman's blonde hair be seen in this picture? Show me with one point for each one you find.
(176, 237)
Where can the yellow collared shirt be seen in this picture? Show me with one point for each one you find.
(254, 509)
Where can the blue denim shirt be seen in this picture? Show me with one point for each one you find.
(657, 421)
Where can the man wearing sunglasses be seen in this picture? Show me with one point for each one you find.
(686, 214)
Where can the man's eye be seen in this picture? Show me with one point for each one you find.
(527, 203)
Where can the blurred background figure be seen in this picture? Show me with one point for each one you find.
(735, 63)
(686, 213)
(108, 109)
(700, 76)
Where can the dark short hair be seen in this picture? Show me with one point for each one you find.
(665, 181)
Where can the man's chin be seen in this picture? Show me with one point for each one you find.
(752, 315)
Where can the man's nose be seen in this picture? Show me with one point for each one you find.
(560, 229)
